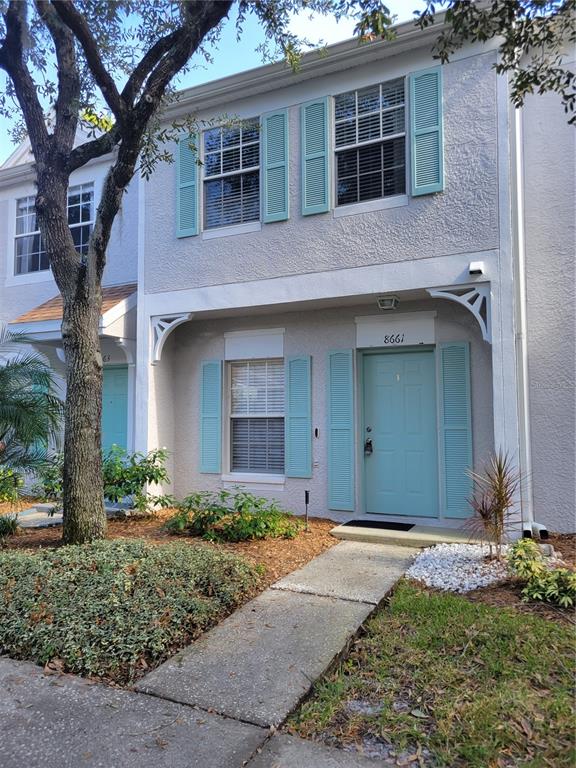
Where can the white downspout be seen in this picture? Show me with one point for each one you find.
(529, 525)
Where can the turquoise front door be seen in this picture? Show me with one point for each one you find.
(399, 433)
(114, 406)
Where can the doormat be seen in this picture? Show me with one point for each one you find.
(380, 524)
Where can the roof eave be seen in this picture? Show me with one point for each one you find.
(280, 75)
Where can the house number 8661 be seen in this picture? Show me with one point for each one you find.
(394, 338)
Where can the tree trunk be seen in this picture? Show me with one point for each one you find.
(84, 515)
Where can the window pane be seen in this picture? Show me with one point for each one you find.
(74, 214)
(213, 164)
(257, 445)
(345, 105)
(369, 127)
(392, 93)
(370, 186)
(231, 160)
(86, 214)
(250, 131)
(250, 155)
(369, 99)
(230, 137)
(348, 163)
(346, 133)
(347, 191)
(393, 121)
(212, 139)
(370, 158)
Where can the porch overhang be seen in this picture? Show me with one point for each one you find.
(43, 322)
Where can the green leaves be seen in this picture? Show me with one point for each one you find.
(30, 411)
(225, 516)
(534, 41)
(113, 609)
(545, 584)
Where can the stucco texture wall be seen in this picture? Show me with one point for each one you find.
(175, 389)
(461, 219)
(550, 214)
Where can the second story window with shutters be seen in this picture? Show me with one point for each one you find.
(370, 140)
(30, 253)
(232, 175)
(257, 416)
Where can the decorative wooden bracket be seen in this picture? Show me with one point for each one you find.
(475, 298)
(162, 326)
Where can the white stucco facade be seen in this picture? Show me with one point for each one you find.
(507, 204)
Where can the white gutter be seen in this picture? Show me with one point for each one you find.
(526, 489)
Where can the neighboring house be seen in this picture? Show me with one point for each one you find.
(29, 298)
(332, 295)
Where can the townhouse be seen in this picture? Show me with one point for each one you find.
(360, 286)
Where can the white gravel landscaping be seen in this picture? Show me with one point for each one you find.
(457, 567)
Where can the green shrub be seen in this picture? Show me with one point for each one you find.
(550, 585)
(226, 516)
(113, 608)
(49, 484)
(8, 525)
(10, 484)
(125, 477)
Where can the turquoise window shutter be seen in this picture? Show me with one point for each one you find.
(426, 133)
(187, 187)
(275, 161)
(314, 118)
(211, 416)
(298, 422)
(455, 428)
(341, 457)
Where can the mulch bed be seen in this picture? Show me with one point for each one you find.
(509, 593)
(278, 556)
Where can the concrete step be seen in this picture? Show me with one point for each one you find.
(418, 536)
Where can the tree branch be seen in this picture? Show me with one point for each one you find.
(68, 77)
(145, 66)
(199, 18)
(12, 62)
(74, 20)
(83, 153)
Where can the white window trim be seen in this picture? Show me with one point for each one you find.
(233, 229)
(228, 475)
(366, 206)
(249, 477)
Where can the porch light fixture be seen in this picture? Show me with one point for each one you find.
(387, 302)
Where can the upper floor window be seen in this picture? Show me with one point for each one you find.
(257, 416)
(31, 255)
(370, 129)
(232, 175)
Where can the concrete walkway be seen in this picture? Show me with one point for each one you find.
(213, 704)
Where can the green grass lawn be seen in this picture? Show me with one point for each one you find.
(447, 682)
(115, 608)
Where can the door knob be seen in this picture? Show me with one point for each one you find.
(368, 447)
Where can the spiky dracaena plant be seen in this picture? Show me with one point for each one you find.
(30, 411)
(493, 500)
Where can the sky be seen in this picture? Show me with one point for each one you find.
(233, 56)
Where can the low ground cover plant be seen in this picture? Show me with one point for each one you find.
(126, 477)
(542, 583)
(438, 680)
(114, 608)
(231, 516)
(8, 525)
